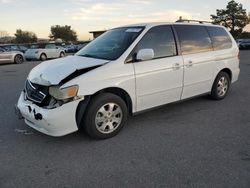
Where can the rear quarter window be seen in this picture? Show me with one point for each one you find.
(193, 39)
(220, 38)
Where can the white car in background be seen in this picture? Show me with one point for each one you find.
(11, 57)
(43, 52)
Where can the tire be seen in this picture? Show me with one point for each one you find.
(221, 86)
(43, 57)
(105, 117)
(62, 54)
(18, 59)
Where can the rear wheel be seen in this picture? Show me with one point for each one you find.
(221, 86)
(43, 57)
(18, 59)
(105, 117)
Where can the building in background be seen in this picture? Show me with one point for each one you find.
(97, 33)
(6, 40)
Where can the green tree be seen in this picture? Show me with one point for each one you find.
(25, 36)
(63, 32)
(234, 17)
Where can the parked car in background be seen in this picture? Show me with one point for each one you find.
(11, 56)
(244, 44)
(80, 46)
(61, 47)
(125, 71)
(14, 47)
(71, 48)
(44, 51)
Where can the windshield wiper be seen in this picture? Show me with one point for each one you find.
(91, 56)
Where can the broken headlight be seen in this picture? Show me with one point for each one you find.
(63, 93)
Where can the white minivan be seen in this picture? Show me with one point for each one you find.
(125, 71)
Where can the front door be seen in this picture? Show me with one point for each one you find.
(51, 51)
(160, 80)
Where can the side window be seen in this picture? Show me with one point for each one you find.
(23, 47)
(193, 39)
(50, 46)
(14, 47)
(161, 40)
(220, 38)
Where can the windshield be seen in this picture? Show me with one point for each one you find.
(34, 46)
(112, 44)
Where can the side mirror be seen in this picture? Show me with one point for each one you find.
(145, 54)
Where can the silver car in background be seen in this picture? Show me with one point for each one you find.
(11, 56)
(43, 52)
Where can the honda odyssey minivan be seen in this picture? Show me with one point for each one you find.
(125, 71)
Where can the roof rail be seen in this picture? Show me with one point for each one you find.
(188, 21)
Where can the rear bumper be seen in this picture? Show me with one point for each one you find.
(54, 122)
(235, 75)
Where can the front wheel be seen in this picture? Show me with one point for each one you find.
(106, 115)
(221, 86)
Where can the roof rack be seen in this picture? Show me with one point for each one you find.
(188, 21)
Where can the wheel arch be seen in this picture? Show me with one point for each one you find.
(18, 54)
(228, 71)
(43, 52)
(121, 93)
(83, 105)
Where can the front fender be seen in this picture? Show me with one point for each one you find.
(103, 78)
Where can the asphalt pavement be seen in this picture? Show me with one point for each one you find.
(196, 143)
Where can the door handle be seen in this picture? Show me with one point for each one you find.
(189, 64)
(176, 66)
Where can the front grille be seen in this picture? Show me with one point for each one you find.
(35, 93)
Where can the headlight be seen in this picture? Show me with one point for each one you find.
(63, 93)
(36, 52)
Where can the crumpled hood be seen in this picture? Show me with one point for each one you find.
(53, 71)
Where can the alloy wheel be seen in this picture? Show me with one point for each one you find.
(222, 86)
(108, 118)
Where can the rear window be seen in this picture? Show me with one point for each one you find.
(220, 38)
(193, 39)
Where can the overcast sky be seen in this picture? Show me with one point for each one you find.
(88, 15)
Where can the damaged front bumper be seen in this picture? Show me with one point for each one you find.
(56, 122)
